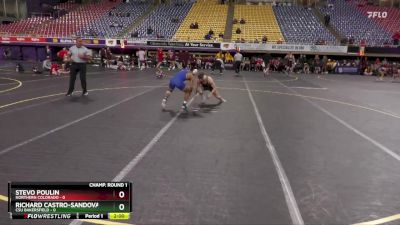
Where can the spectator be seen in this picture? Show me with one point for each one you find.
(46, 64)
(192, 26)
(7, 53)
(211, 32)
(61, 54)
(242, 21)
(198, 63)
(396, 38)
(317, 66)
(264, 39)
(327, 19)
(149, 30)
(320, 42)
(209, 63)
(185, 56)
(221, 35)
(207, 37)
(306, 68)
(228, 57)
(344, 41)
(19, 68)
(135, 34)
(351, 40)
(218, 64)
(235, 21)
(108, 56)
(36, 70)
(290, 60)
(324, 64)
(368, 71)
(141, 54)
(103, 56)
(196, 25)
(220, 55)
(54, 70)
(121, 59)
(171, 59)
(385, 62)
(48, 51)
(238, 31)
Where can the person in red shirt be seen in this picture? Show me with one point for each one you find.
(160, 59)
(61, 56)
(62, 53)
(54, 69)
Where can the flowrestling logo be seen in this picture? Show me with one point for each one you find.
(379, 15)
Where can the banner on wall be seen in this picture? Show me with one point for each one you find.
(183, 44)
(21, 39)
(379, 15)
(111, 42)
(283, 47)
(136, 42)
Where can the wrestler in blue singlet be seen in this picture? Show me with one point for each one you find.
(178, 81)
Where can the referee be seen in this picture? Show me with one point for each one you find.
(79, 55)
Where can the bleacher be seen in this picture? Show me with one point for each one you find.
(69, 24)
(116, 20)
(292, 23)
(24, 26)
(68, 6)
(350, 21)
(208, 14)
(260, 21)
(162, 21)
(299, 25)
(391, 23)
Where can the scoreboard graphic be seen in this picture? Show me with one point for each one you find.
(72, 200)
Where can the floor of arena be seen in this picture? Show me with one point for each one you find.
(286, 149)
